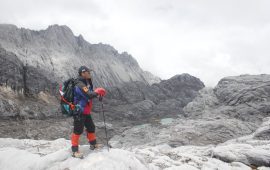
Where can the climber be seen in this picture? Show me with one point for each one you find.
(83, 95)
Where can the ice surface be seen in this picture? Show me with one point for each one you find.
(25, 154)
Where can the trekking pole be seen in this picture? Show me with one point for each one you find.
(102, 108)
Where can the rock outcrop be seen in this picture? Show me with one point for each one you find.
(137, 101)
(247, 95)
(235, 107)
(24, 90)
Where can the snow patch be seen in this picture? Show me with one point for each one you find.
(25, 155)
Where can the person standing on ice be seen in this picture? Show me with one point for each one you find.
(83, 95)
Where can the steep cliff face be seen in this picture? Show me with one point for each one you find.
(58, 54)
(11, 73)
(21, 78)
(24, 90)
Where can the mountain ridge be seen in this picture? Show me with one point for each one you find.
(59, 53)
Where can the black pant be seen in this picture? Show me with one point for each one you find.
(81, 121)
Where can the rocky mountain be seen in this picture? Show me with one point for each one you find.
(58, 54)
(235, 107)
(33, 63)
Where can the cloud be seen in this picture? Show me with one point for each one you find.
(209, 39)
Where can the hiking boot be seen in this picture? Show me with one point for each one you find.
(77, 155)
(95, 146)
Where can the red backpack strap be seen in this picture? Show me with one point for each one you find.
(71, 105)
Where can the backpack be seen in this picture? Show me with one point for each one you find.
(67, 97)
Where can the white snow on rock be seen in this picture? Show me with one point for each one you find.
(247, 149)
(237, 154)
(185, 158)
(33, 154)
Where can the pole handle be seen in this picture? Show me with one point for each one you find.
(100, 98)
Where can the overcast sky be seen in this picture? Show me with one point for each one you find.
(209, 39)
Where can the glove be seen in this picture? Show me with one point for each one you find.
(100, 91)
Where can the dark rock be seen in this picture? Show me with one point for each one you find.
(243, 89)
(236, 107)
(248, 94)
(136, 100)
(25, 91)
